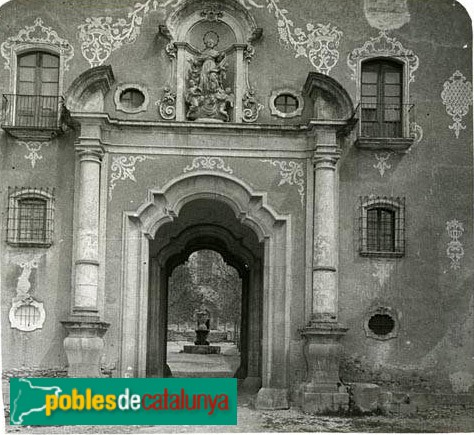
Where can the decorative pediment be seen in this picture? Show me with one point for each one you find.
(35, 36)
(383, 46)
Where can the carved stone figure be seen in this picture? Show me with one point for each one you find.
(203, 317)
(206, 94)
(203, 326)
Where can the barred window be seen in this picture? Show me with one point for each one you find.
(382, 226)
(30, 217)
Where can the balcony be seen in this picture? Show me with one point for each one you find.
(385, 126)
(36, 117)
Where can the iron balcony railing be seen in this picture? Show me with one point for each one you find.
(32, 111)
(385, 120)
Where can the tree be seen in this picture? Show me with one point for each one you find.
(205, 279)
(182, 296)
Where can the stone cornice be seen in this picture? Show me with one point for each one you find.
(311, 126)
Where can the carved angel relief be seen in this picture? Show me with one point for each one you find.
(207, 94)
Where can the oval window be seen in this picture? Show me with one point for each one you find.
(132, 99)
(381, 324)
(286, 103)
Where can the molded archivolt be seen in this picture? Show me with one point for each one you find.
(250, 207)
(87, 92)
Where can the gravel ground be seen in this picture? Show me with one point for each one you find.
(251, 420)
(293, 420)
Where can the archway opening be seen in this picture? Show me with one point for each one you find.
(204, 317)
(205, 260)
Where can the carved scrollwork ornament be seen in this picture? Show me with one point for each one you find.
(249, 52)
(212, 13)
(167, 104)
(171, 50)
(251, 106)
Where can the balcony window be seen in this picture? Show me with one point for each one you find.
(35, 107)
(381, 99)
(384, 116)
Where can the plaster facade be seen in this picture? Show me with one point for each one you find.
(287, 190)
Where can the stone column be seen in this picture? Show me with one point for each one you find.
(325, 225)
(87, 236)
(84, 344)
(322, 391)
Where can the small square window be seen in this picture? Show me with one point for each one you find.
(382, 226)
(30, 217)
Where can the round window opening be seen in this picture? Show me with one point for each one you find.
(132, 99)
(381, 324)
(27, 316)
(286, 103)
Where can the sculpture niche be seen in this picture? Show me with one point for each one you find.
(201, 345)
(207, 96)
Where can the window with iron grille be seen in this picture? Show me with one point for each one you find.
(382, 226)
(30, 216)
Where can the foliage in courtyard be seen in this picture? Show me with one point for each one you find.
(204, 280)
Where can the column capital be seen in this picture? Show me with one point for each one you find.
(90, 153)
(326, 157)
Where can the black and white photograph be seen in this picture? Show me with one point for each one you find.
(279, 192)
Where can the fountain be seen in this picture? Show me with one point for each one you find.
(201, 345)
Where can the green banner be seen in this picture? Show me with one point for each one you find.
(123, 401)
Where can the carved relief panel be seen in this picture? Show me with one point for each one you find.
(210, 48)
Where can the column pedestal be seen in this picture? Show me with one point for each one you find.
(84, 345)
(323, 391)
(272, 399)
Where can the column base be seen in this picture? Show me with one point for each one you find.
(251, 384)
(84, 345)
(322, 403)
(323, 391)
(272, 399)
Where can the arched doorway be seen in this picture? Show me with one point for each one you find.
(206, 224)
(249, 228)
